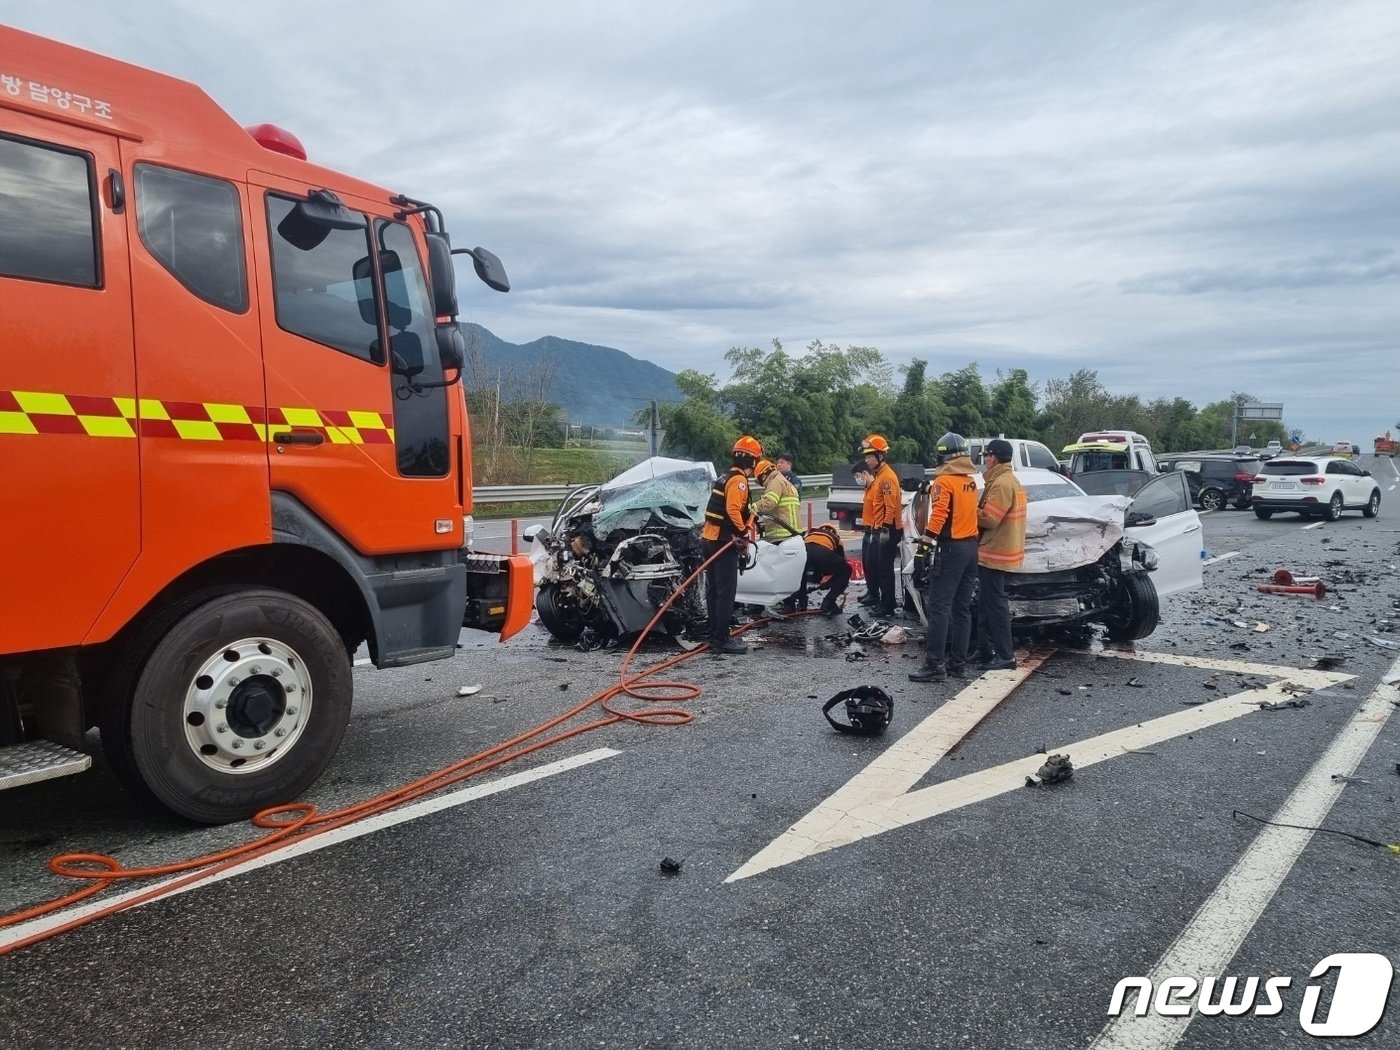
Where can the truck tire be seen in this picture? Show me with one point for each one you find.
(560, 617)
(239, 705)
(1138, 611)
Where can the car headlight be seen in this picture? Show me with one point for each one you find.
(1145, 556)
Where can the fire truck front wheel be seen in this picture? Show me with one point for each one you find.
(239, 706)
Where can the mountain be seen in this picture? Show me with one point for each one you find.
(594, 384)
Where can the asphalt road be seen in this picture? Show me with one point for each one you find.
(902, 891)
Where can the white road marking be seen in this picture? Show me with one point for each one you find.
(363, 662)
(431, 804)
(1221, 557)
(1392, 487)
(1214, 935)
(1315, 525)
(878, 799)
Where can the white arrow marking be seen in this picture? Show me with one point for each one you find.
(879, 798)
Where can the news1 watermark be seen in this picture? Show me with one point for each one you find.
(1359, 996)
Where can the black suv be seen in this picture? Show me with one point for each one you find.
(1215, 480)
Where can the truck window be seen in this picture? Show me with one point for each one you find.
(192, 224)
(420, 416)
(1042, 457)
(48, 214)
(317, 295)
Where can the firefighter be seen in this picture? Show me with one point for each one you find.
(826, 557)
(779, 501)
(1002, 517)
(949, 547)
(728, 520)
(883, 516)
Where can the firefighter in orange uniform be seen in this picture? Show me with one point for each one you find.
(826, 557)
(883, 517)
(728, 519)
(949, 548)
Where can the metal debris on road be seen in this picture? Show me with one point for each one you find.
(1385, 643)
(1054, 770)
(1279, 705)
(1339, 778)
(469, 690)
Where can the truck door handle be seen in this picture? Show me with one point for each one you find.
(298, 437)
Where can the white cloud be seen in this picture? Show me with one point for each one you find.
(1193, 197)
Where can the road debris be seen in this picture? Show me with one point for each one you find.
(1136, 684)
(1280, 705)
(1329, 663)
(1385, 643)
(1054, 770)
(671, 867)
(1339, 778)
(469, 690)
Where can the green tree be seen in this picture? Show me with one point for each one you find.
(969, 410)
(918, 417)
(698, 427)
(1013, 405)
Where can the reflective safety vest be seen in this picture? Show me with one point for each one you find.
(780, 499)
(728, 514)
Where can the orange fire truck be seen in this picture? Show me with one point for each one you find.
(233, 440)
(1385, 445)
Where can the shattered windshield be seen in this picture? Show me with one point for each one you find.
(657, 491)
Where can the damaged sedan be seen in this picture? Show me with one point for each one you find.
(1102, 551)
(616, 553)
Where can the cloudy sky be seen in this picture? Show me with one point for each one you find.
(1191, 197)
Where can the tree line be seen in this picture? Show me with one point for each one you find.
(820, 405)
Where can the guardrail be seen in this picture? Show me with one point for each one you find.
(547, 493)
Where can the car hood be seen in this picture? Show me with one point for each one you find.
(1070, 532)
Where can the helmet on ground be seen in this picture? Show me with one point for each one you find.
(764, 466)
(868, 707)
(874, 445)
(950, 445)
(747, 446)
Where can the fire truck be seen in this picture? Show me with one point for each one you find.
(1385, 445)
(234, 445)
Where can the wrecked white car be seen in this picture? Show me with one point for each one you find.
(1101, 556)
(616, 552)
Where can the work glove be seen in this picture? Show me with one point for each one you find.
(741, 543)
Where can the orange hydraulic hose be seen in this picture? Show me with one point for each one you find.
(299, 821)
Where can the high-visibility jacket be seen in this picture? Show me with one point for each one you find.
(882, 500)
(1002, 517)
(780, 499)
(952, 512)
(728, 514)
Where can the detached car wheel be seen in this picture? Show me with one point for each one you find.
(560, 616)
(1334, 507)
(1373, 505)
(1212, 499)
(1263, 513)
(239, 706)
(1138, 611)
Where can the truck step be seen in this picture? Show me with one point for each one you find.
(37, 760)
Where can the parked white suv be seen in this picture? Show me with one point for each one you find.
(1321, 487)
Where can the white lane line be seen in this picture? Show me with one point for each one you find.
(364, 661)
(1315, 525)
(1214, 935)
(897, 769)
(1221, 557)
(878, 799)
(379, 822)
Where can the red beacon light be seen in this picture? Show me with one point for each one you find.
(278, 140)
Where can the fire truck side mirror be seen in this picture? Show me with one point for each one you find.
(443, 277)
(488, 268)
(452, 348)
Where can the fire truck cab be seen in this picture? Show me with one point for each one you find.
(234, 444)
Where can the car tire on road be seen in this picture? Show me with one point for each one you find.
(1263, 513)
(287, 711)
(559, 616)
(1373, 505)
(1212, 499)
(1334, 508)
(1139, 611)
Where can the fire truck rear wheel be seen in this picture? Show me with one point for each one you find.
(240, 705)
